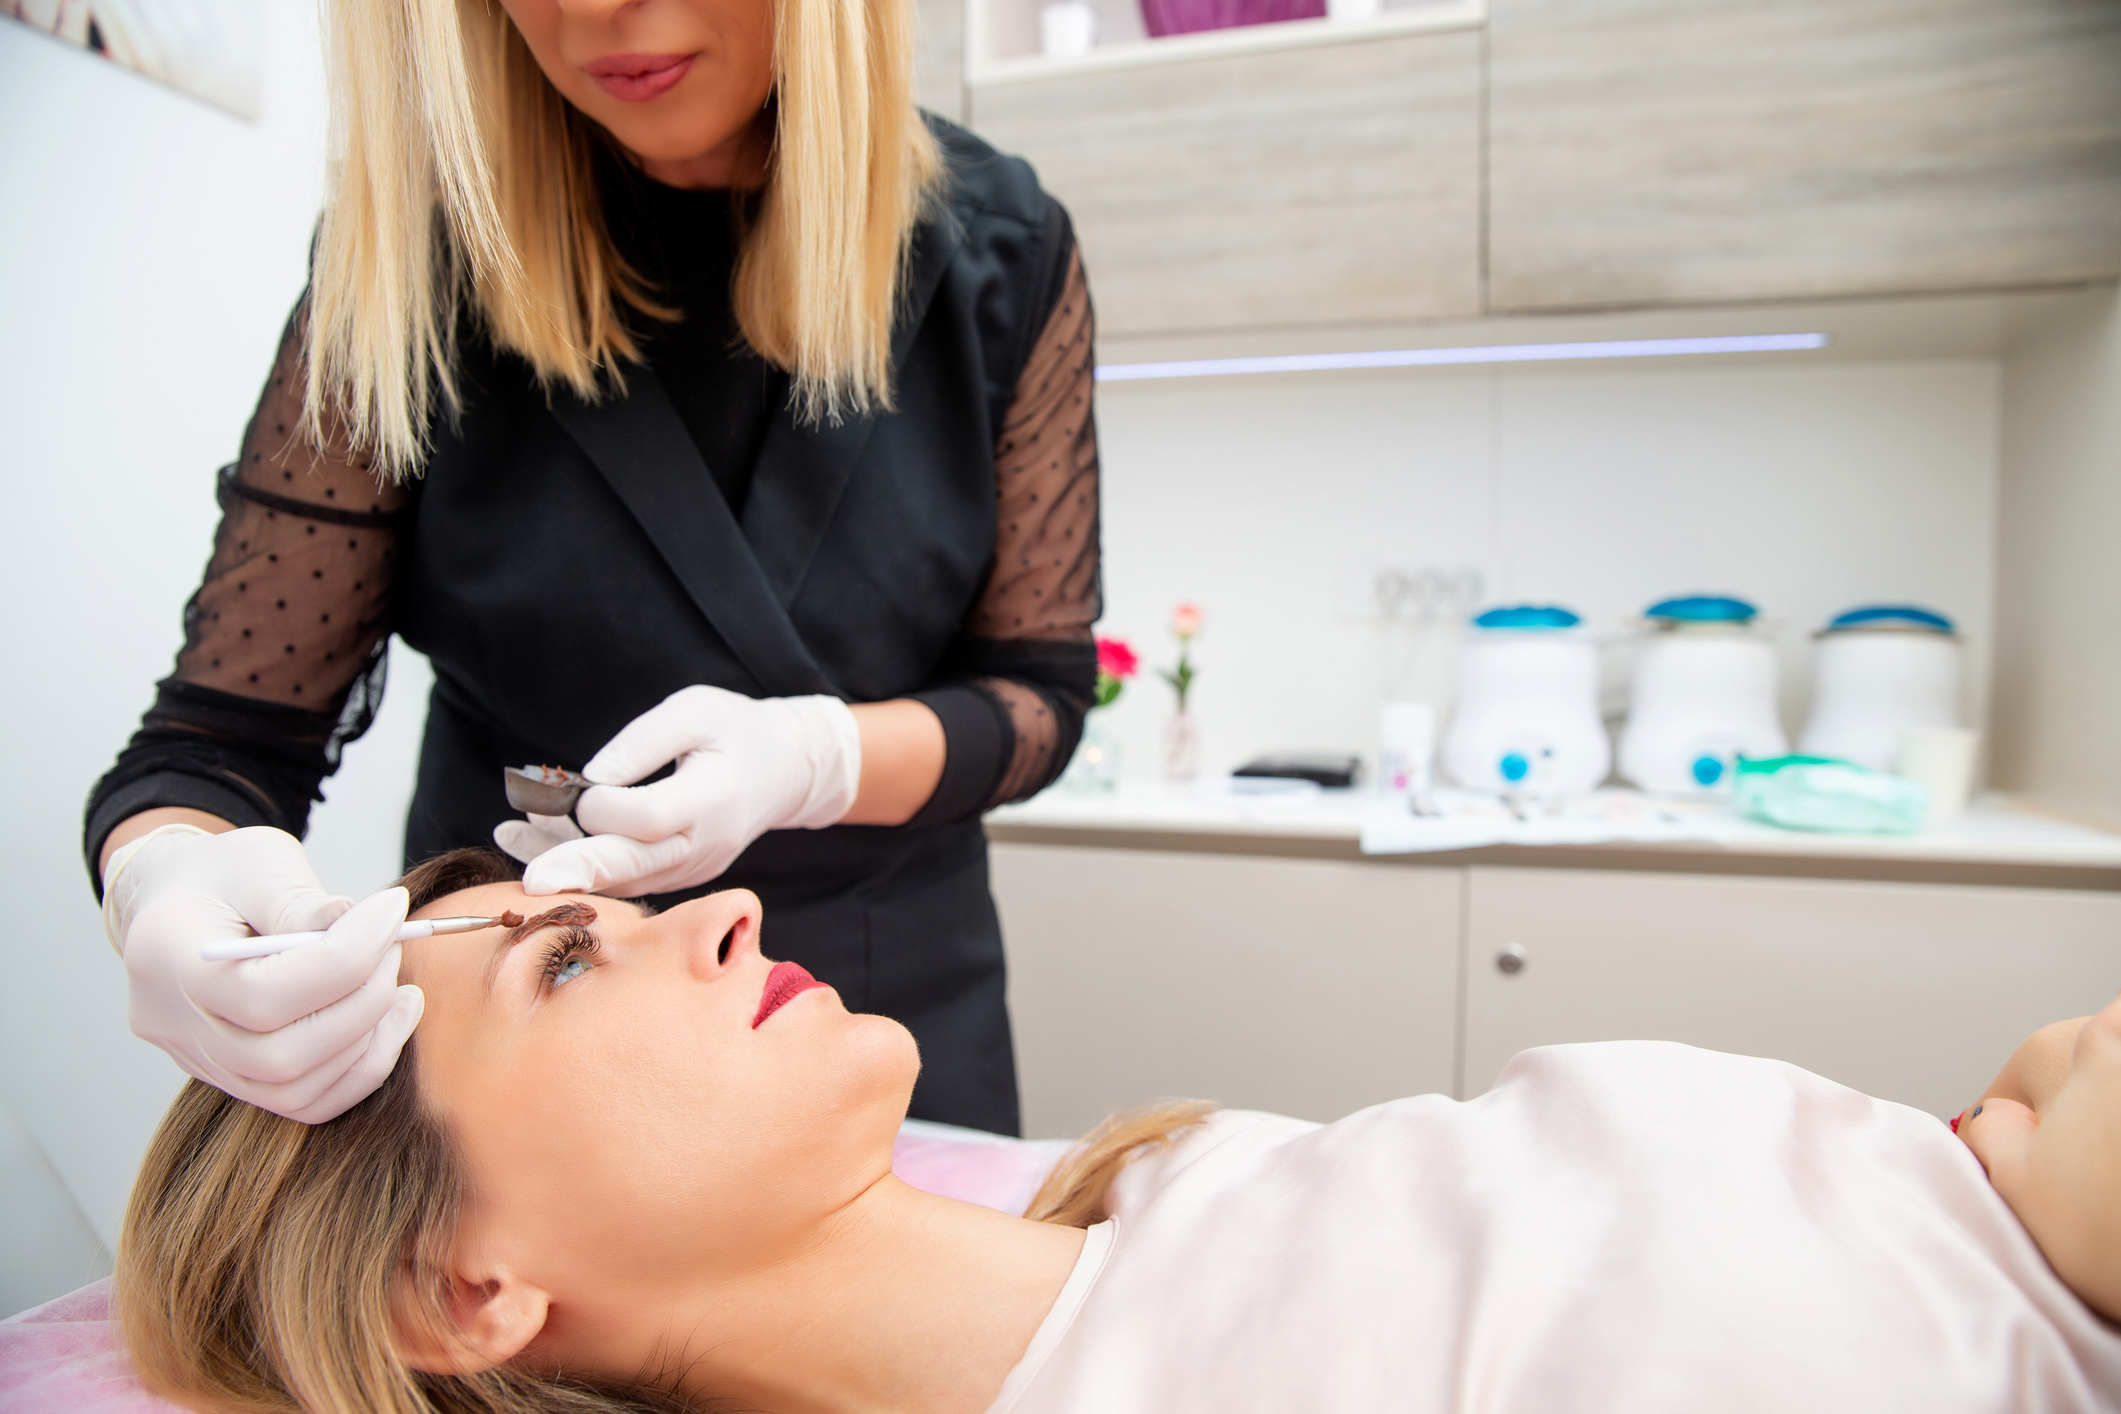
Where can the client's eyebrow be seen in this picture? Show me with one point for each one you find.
(565, 916)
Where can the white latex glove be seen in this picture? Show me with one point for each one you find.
(305, 1033)
(745, 765)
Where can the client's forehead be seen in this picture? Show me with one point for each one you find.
(486, 900)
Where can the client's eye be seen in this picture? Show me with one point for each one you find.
(572, 952)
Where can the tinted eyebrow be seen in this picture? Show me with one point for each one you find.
(572, 914)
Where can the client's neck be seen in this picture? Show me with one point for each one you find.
(907, 1302)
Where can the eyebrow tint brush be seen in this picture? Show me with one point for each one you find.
(231, 949)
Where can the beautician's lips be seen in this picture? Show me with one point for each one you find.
(636, 78)
(786, 981)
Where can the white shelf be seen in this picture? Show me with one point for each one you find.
(1000, 37)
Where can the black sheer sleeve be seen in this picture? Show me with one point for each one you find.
(284, 641)
(1023, 670)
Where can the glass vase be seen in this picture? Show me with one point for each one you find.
(1182, 747)
(1094, 769)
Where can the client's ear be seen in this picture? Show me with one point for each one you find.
(490, 1321)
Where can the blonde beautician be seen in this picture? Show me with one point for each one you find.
(692, 402)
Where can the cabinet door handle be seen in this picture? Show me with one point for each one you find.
(1510, 960)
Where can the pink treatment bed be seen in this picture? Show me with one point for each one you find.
(63, 1357)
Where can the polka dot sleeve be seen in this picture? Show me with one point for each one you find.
(296, 597)
(284, 641)
(1024, 669)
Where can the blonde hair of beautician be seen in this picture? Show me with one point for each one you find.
(461, 176)
(269, 1265)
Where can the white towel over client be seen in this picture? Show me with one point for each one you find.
(1628, 1226)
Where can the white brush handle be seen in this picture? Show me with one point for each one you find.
(231, 949)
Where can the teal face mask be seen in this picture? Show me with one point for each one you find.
(1838, 797)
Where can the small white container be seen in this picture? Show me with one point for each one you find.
(1526, 720)
(1942, 759)
(1878, 672)
(1406, 749)
(1067, 29)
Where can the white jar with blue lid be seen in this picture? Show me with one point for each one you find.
(1703, 695)
(1879, 671)
(1526, 716)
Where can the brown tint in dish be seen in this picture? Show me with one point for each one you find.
(542, 790)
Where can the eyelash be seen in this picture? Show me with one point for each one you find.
(568, 943)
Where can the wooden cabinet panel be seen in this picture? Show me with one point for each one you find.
(1305, 987)
(1338, 183)
(1681, 151)
(1916, 993)
(939, 57)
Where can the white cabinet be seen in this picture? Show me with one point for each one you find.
(1306, 987)
(1912, 992)
(1316, 986)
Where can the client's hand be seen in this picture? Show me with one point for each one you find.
(2052, 1147)
(744, 766)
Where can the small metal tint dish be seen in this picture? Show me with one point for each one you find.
(543, 790)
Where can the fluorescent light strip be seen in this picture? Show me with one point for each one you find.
(1489, 353)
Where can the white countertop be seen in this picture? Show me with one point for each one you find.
(1995, 831)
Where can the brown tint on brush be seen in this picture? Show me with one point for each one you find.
(510, 919)
(567, 914)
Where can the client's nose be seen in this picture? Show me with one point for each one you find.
(718, 931)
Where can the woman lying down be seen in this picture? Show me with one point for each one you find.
(631, 1164)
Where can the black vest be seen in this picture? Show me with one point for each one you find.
(574, 564)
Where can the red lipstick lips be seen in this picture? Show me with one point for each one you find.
(636, 78)
(785, 982)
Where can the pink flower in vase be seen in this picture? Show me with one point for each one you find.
(1182, 733)
(1116, 658)
(1115, 664)
(1186, 620)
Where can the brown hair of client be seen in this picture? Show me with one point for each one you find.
(266, 1263)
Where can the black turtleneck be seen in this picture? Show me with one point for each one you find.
(684, 243)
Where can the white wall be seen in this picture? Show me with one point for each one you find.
(1808, 488)
(2058, 674)
(46, 1244)
(152, 247)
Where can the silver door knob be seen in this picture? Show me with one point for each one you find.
(1510, 959)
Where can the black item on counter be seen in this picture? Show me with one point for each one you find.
(1327, 769)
